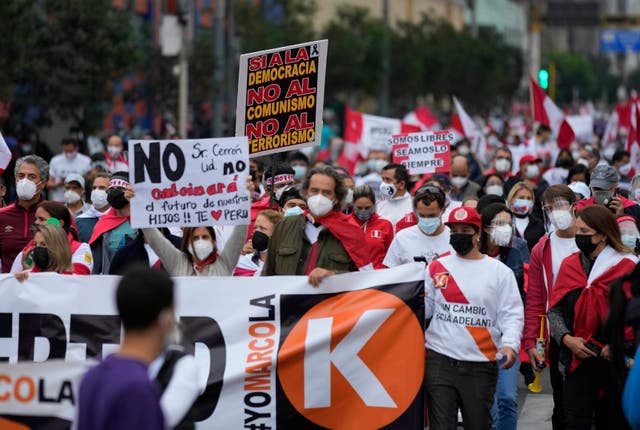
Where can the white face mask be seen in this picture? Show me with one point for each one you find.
(501, 235)
(497, 190)
(502, 165)
(201, 249)
(459, 181)
(561, 219)
(26, 189)
(463, 150)
(99, 198)
(532, 171)
(114, 151)
(71, 197)
(319, 205)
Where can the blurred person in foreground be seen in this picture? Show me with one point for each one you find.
(378, 232)
(117, 393)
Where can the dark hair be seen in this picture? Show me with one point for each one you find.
(102, 175)
(400, 174)
(487, 200)
(364, 191)
(298, 156)
(70, 141)
(559, 191)
(487, 215)
(60, 212)
(187, 238)
(428, 194)
(602, 220)
(290, 192)
(340, 190)
(622, 312)
(563, 155)
(142, 294)
(505, 149)
(259, 163)
(619, 155)
(542, 129)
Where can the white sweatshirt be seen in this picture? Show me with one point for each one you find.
(475, 308)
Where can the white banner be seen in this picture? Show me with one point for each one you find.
(189, 183)
(272, 351)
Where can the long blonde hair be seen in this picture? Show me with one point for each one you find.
(58, 245)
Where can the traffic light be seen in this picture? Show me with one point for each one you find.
(543, 78)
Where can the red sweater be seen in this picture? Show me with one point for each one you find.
(378, 234)
(537, 292)
(15, 225)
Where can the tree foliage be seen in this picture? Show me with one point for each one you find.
(60, 55)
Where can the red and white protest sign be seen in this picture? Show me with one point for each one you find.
(424, 152)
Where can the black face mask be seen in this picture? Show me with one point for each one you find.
(461, 243)
(585, 244)
(40, 256)
(116, 199)
(260, 241)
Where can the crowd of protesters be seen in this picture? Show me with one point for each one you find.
(527, 231)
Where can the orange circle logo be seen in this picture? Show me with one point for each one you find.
(353, 361)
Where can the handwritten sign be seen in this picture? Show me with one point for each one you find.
(189, 183)
(423, 152)
(281, 96)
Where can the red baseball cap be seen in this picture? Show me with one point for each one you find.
(529, 159)
(465, 215)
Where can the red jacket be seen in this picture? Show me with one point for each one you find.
(378, 233)
(15, 233)
(409, 220)
(538, 292)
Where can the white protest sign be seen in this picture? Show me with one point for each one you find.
(423, 152)
(189, 183)
(280, 97)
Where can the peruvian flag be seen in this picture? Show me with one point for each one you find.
(5, 154)
(364, 133)
(633, 137)
(423, 118)
(611, 130)
(547, 113)
(462, 122)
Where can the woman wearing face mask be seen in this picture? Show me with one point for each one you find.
(51, 252)
(378, 232)
(497, 241)
(482, 291)
(198, 255)
(81, 256)
(528, 225)
(493, 184)
(115, 157)
(251, 263)
(578, 308)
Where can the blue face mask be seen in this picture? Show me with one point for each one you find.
(428, 225)
(300, 171)
(293, 211)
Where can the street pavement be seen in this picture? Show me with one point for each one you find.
(535, 408)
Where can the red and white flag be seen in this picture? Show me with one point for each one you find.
(547, 113)
(364, 133)
(423, 118)
(5, 154)
(611, 130)
(633, 137)
(462, 122)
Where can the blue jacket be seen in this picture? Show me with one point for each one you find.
(631, 395)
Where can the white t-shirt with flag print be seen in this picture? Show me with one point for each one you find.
(474, 306)
(412, 242)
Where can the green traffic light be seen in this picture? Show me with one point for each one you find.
(543, 78)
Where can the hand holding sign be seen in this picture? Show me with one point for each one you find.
(189, 182)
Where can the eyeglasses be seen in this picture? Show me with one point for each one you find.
(432, 189)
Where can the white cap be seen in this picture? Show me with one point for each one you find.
(580, 188)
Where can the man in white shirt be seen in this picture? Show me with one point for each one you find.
(426, 240)
(395, 200)
(74, 195)
(63, 165)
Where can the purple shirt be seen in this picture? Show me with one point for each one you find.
(118, 394)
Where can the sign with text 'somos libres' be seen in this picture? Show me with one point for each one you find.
(281, 96)
(189, 183)
(423, 152)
